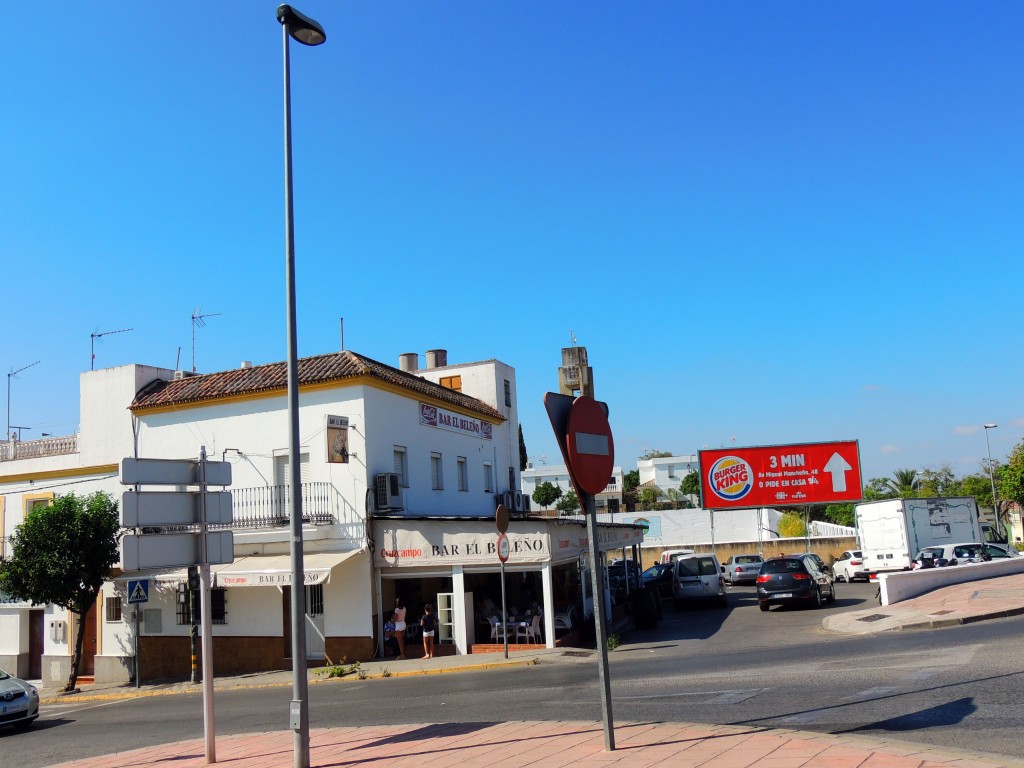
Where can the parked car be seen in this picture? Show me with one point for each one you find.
(19, 701)
(997, 551)
(794, 579)
(742, 569)
(669, 555)
(951, 554)
(659, 577)
(698, 577)
(618, 572)
(850, 566)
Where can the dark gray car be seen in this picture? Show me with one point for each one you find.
(794, 579)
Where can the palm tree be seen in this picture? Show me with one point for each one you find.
(904, 483)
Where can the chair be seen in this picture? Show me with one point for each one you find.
(530, 632)
(564, 619)
(497, 629)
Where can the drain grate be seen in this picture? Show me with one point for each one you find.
(581, 654)
(872, 617)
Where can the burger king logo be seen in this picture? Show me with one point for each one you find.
(731, 478)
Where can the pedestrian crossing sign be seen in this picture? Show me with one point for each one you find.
(138, 591)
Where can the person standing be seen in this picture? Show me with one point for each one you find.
(429, 626)
(398, 617)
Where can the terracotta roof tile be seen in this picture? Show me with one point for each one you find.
(337, 366)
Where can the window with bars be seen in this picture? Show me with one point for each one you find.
(315, 600)
(401, 466)
(436, 473)
(113, 608)
(460, 463)
(218, 604)
(508, 394)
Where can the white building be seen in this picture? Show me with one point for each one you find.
(400, 503)
(610, 499)
(667, 472)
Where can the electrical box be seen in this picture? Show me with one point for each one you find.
(58, 631)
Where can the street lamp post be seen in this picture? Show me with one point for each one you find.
(992, 474)
(306, 31)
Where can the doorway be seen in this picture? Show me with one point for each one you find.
(87, 666)
(315, 640)
(35, 644)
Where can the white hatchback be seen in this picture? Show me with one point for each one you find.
(698, 577)
(850, 566)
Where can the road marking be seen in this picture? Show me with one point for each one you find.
(712, 697)
(69, 709)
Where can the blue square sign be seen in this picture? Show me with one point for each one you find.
(138, 591)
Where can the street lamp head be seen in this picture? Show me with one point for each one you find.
(991, 426)
(301, 27)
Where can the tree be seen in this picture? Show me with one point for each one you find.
(791, 526)
(62, 554)
(979, 486)
(523, 460)
(546, 494)
(678, 498)
(904, 483)
(649, 454)
(877, 488)
(691, 484)
(569, 504)
(630, 482)
(939, 482)
(841, 514)
(649, 497)
(1011, 478)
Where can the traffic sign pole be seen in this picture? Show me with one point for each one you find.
(600, 629)
(209, 724)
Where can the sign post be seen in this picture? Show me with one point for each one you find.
(138, 594)
(585, 438)
(196, 547)
(501, 519)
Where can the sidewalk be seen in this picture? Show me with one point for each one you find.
(945, 607)
(557, 744)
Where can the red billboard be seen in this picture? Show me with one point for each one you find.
(780, 475)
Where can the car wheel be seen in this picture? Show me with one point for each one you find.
(816, 598)
(840, 577)
(832, 594)
(763, 606)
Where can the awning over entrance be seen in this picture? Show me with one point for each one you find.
(276, 570)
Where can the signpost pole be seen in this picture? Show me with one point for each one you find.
(504, 610)
(138, 681)
(600, 630)
(205, 609)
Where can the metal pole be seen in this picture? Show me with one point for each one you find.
(138, 682)
(992, 477)
(299, 707)
(209, 724)
(504, 611)
(600, 631)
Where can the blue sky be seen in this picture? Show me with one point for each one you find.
(770, 222)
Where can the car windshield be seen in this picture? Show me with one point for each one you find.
(4, 675)
(967, 550)
(783, 566)
(656, 570)
(749, 559)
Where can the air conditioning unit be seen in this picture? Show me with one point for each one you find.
(508, 498)
(526, 503)
(388, 491)
(519, 502)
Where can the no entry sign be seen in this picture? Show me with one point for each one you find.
(590, 446)
(783, 475)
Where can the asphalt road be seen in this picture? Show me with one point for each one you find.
(958, 687)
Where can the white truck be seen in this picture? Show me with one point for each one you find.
(893, 531)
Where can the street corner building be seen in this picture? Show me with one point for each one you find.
(401, 471)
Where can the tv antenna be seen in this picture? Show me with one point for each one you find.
(92, 344)
(197, 320)
(10, 376)
(572, 336)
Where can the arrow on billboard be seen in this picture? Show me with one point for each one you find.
(837, 467)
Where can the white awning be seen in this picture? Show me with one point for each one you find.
(276, 570)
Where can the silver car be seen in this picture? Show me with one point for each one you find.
(742, 569)
(19, 701)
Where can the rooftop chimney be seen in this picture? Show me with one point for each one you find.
(408, 361)
(437, 358)
(246, 364)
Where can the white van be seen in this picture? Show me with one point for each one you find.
(698, 577)
(670, 555)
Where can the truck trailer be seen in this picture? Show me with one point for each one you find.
(893, 531)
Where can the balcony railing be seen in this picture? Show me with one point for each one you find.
(34, 449)
(269, 506)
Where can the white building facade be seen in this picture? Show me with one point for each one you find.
(610, 499)
(401, 470)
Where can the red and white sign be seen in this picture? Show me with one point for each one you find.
(783, 475)
(503, 547)
(591, 449)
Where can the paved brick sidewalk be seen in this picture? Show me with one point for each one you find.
(551, 745)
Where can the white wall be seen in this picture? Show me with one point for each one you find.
(680, 527)
(667, 472)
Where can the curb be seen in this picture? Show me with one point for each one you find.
(181, 691)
